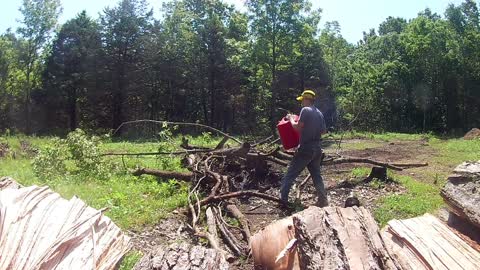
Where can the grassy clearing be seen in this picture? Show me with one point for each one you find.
(455, 151)
(133, 202)
(419, 199)
(386, 137)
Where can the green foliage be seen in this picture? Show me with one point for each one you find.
(77, 154)
(50, 163)
(204, 61)
(455, 151)
(133, 202)
(419, 199)
(360, 172)
(130, 260)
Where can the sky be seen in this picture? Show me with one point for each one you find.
(354, 16)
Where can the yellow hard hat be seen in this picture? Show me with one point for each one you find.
(307, 94)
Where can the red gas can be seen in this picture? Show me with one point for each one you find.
(288, 135)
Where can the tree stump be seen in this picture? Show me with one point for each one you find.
(182, 256)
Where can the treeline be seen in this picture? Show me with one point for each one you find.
(205, 61)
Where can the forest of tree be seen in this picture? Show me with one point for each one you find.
(205, 61)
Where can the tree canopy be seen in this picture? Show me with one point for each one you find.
(207, 62)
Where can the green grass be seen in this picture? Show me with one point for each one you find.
(130, 260)
(455, 151)
(419, 199)
(132, 202)
(386, 137)
(360, 172)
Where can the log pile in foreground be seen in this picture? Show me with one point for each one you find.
(322, 238)
(182, 256)
(427, 243)
(462, 192)
(41, 230)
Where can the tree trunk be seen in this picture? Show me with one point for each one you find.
(182, 256)
(340, 238)
(72, 109)
(323, 238)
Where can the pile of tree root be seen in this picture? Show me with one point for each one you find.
(222, 175)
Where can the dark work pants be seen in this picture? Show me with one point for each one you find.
(308, 156)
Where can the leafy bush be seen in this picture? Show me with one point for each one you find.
(51, 161)
(77, 154)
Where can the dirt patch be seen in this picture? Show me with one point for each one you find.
(473, 134)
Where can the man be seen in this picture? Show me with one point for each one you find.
(310, 125)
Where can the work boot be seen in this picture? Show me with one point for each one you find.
(322, 202)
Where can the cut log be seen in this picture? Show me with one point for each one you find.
(269, 242)
(426, 243)
(41, 230)
(8, 182)
(326, 238)
(186, 176)
(182, 256)
(340, 238)
(462, 192)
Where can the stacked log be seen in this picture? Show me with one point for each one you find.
(462, 192)
(182, 256)
(323, 238)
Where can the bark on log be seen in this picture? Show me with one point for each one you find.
(182, 256)
(186, 176)
(340, 238)
(462, 192)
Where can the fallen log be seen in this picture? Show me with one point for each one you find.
(182, 256)
(462, 192)
(322, 238)
(361, 160)
(243, 193)
(41, 230)
(185, 176)
(340, 238)
(269, 242)
(233, 209)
